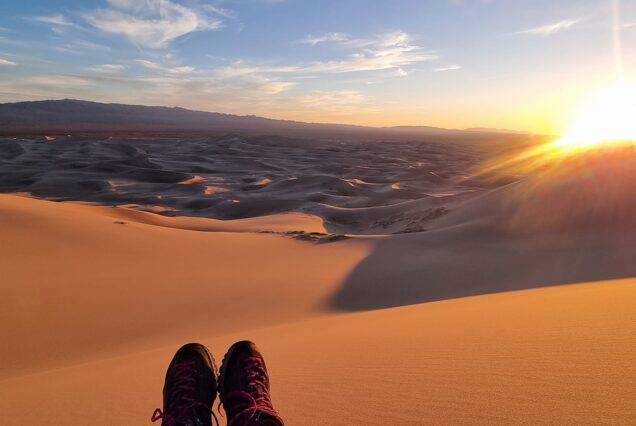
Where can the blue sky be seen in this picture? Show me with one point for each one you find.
(465, 63)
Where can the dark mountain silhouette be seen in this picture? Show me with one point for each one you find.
(76, 116)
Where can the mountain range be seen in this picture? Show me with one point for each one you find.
(77, 116)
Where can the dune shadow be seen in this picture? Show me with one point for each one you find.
(570, 223)
(448, 264)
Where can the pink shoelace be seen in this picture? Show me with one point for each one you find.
(247, 407)
(182, 397)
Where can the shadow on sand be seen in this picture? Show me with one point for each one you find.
(573, 223)
(442, 265)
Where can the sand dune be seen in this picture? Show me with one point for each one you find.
(86, 285)
(97, 297)
(575, 222)
(554, 355)
(233, 177)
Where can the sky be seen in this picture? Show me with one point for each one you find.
(514, 64)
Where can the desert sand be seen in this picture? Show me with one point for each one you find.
(385, 284)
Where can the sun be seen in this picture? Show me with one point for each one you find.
(607, 118)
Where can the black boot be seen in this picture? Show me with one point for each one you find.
(189, 389)
(244, 388)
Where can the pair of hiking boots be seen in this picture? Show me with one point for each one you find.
(192, 382)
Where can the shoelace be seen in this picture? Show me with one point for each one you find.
(248, 406)
(182, 399)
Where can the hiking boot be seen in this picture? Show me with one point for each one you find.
(244, 387)
(189, 389)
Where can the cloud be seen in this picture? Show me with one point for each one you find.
(81, 47)
(238, 87)
(195, 90)
(448, 68)
(336, 101)
(59, 81)
(240, 69)
(55, 19)
(329, 37)
(392, 50)
(265, 86)
(6, 62)
(385, 51)
(107, 68)
(181, 70)
(52, 86)
(549, 29)
(153, 23)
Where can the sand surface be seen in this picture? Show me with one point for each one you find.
(507, 299)
(562, 355)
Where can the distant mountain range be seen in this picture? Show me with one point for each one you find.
(76, 116)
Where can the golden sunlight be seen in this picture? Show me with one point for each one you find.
(607, 118)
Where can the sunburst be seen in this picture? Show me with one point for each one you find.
(608, 118)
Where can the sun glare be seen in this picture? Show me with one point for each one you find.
(607, 118)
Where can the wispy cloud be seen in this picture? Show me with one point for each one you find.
(180, 70)
(393, 50)
(553, 28)
(160, 76)
(60, 81)
(107, 68)
(203, 91)
(240, 69)
(385, 51)
(153, 23)
(388, 51)
(400, 73)
(340, 101)
(329, 37)
(13, 42)
(6, 62)
(79, 47)
(55, 19)
(265, 87)
(447, 68)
